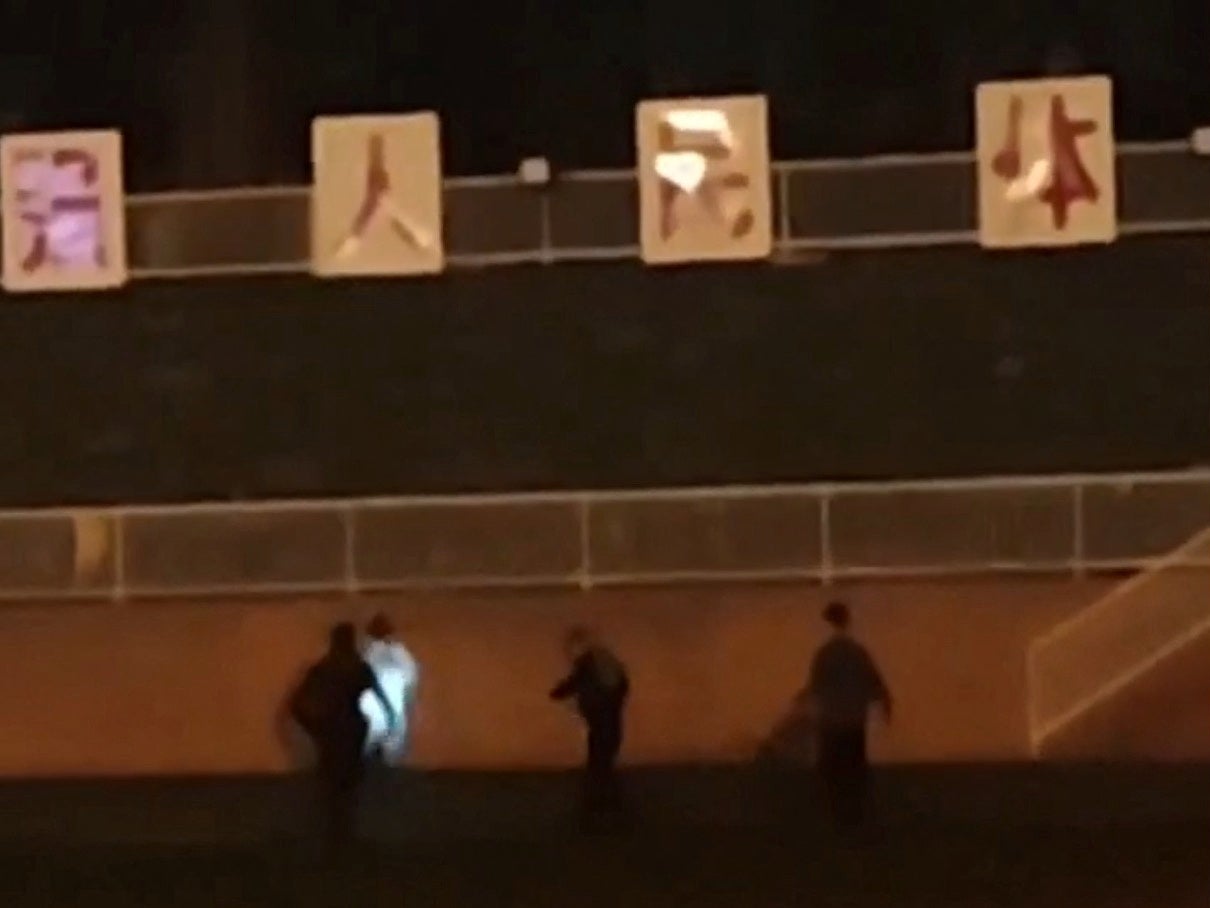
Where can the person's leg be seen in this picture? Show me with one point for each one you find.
(595, 769)
(347, 773)
(861, 775)
(327, 778)
(341, 824)
(611, 747)
(850, 775)
(601, 792)
(829, 764)
(395, 745)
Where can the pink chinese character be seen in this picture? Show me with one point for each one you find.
(378, 200)
(58, 198)
(1070, 179)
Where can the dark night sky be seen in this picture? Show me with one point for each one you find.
(214, 92)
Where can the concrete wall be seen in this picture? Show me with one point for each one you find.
(1163, 716)
(196, 687)
(609, 375)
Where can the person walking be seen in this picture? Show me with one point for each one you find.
(844, 684)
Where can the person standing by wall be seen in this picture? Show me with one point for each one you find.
(600, 686)
(398, 675)
(327, 704)
(844, 684)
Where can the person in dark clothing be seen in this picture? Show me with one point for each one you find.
(844, 684)
(599, 685)
(327, 704)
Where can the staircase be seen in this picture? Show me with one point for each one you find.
(1098, 682)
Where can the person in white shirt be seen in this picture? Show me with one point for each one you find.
(399, 676)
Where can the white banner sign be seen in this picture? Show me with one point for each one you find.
(63, 210)
(376, 203)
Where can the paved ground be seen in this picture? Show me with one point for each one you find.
(987, 837)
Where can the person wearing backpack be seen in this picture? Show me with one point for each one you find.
(327, 705)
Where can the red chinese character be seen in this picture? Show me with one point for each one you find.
(693, 153)
(1007, 163)
(1070, 180)
(58, 197)
(378, 199)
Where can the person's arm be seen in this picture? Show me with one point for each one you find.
(882, 693)
(570, 684)
(410, 685)
(387, 707)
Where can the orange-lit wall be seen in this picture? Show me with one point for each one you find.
(176, 687)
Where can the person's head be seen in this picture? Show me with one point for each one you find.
(343, 638)
(380, 627)
(837, 615)
(577, 641)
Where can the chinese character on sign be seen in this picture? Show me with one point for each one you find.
(376, 205)
(59, 200)
(64, 225)
(378, 202)
(1046, 163)
(1058, 180)
(704, 180)
(695, 164)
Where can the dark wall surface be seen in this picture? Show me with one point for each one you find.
(885, 364)
(561, 79)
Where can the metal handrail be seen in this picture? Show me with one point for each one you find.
(545, 247)
(574, 512)
(622, 174)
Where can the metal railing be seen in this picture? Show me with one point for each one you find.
(898, 201)
(1101, 650)
(1071, 525)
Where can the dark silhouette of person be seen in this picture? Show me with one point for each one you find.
(599, 685)
(844, 684)
(327, 704)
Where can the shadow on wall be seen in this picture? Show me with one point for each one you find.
(296, 747)
(792, 740)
